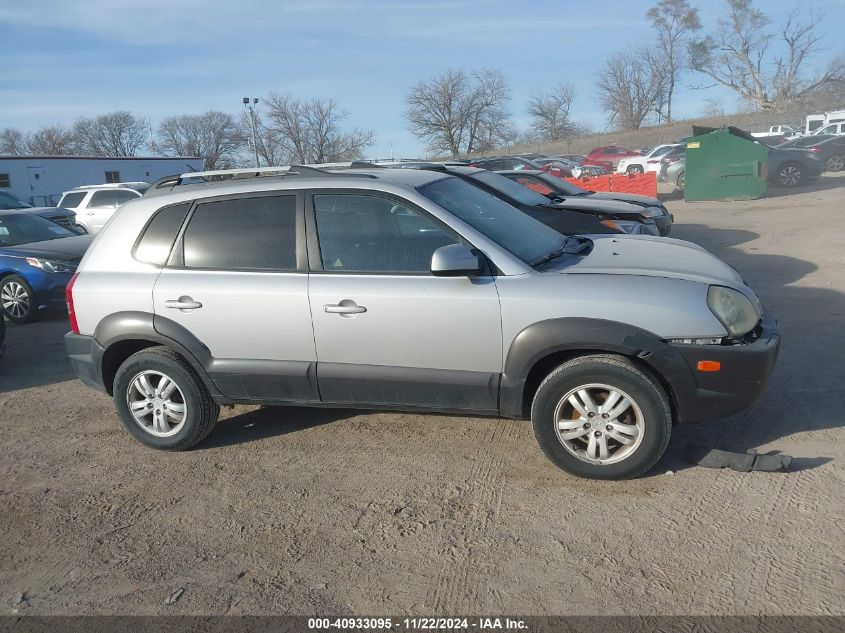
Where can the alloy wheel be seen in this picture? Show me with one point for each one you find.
(835, 163)
(156, 403)
(789, 176)
(599, 423)
(15, 299)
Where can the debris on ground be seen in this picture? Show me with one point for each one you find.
(743, 462)
(173, 598)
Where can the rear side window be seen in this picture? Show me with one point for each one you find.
(72, 200)
(243, 234)
(125, 196)
(157, 240)
(103, 199)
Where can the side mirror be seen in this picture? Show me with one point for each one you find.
(456, 260)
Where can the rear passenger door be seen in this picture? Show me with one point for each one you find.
(387, 331)
(100, 208)
(237, 282)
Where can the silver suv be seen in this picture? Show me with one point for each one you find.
(411, 290)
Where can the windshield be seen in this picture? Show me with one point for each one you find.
(24, 228)
(8, 201)
(510, 228)
(563, 186)
(509, 188)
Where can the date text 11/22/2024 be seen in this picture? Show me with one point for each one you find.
(418, 624)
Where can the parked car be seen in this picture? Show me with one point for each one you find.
(611, 154)
(37, 260)
(793, 167)
(558, 191)
(59, 215)
(830, 150)
(573, 158)
(551, 165)
(673, 168)
(572, 216)
(431, 295)
(836, 129)
(647, 161)
(95, 204)
(804, 142)
(563, 168)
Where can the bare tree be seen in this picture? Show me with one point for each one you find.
(115, 134)
(309, 132)
(631, 87)
(12, 142)
(549, 112)
(53, 140)
(673, 20)
(214, 136)
(740, 55)
(455, 112)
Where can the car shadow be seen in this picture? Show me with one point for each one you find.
(825, 182)
(35, 354)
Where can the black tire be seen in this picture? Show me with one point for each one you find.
(790, 174)
(634, 169)
(617, 372)
(835, 162)
(680, 181)
(17, 299)
(201, 411)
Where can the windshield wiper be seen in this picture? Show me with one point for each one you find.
(582, 244)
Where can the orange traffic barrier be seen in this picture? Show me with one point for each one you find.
(641, 184)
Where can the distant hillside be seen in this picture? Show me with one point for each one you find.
(651, 136)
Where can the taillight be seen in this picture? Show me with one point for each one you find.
(815, 149)
(74, 326)
(611, 224)
(652, 162)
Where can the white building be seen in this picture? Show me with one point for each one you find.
(40, 180)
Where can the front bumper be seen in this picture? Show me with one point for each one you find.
(745, 371)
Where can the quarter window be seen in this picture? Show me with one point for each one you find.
(124, 195)
(243, 234)
(360, 233)
(157, 240)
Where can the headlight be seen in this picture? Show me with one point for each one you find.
(653, 212)
(50, 266)
(626, 226)
(733, 309)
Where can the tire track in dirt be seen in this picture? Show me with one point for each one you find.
(467, 543)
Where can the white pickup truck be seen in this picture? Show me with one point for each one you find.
(787, 131)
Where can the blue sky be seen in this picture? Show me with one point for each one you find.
(62, 59)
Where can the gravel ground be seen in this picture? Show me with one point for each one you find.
(332, 511)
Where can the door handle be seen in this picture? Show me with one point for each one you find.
(183, 303)
(345, 307)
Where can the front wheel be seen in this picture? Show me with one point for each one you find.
(17, 299)
(602, 417)
(634, 169)
(161, 400)
(789, 175)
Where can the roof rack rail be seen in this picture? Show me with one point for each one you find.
(227, 175)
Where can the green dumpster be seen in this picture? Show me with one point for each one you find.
(724, 164)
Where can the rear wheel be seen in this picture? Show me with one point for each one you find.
(789, 175)
(680, 182)
(602, 417)
(635, 169)
(17, 299)
(161, 400)
(835, 163)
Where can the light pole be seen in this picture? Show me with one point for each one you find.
(249, 104)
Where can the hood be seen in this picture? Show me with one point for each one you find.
(63, 248)
(49, 212)
(630, 198)
(654, 257)
(589, 203)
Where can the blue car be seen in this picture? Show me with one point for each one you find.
(37, 259)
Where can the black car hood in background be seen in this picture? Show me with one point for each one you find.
(63, 248)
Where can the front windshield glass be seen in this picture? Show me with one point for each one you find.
(8, 201)
(510, 188)
(24, 228)
(507, 226)
(563, 186)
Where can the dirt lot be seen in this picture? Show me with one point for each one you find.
(310, 511)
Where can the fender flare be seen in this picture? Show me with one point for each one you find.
(575, 334)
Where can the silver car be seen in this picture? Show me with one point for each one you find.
(409, 290)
